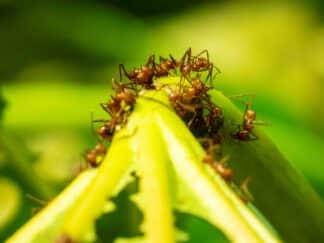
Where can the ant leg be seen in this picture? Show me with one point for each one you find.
(206, 140)
(192, 119)
(114, 85)
(189, 108)
(122, 71)
(239, 96)
(261, 123)
(187, 55)
(37, 200)
(100, 120)
(181, 84)
(162, 59)
(245, 192)
(210, 75)
(202, 52)
(91, 126)
(105, 108)
(173, 60)
(224, 160)
(150, 60)
(218, 71)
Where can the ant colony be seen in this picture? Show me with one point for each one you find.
(189, 99)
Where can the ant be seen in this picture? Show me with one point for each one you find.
(93, 155)
(124, 94)
(249, 120)
(219, 166)
(123, 99)
(140, 76)
(214, 120)
(190, 109)
(197, 64)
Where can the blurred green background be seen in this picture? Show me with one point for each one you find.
(57, 60)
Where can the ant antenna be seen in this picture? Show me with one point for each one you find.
(35, 199)
(245, 189)
(91, 126)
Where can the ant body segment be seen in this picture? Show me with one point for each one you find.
(165, 66)
(94, 156)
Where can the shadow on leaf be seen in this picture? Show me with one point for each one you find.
(124, 221)
(198, 229)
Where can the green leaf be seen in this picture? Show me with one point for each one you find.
(281, 193)
(197, 227)
(168, 159)
(2, 105)
(44, 226)
(113, 225)
(162, 149)
(10, 198)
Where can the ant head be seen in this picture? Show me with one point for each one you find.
(191, 92)
(174, 96)
(250, 114)
(105, 132)
(208, 158)
(100, 148)
(225, 172)
(91, 157)
(217, 111)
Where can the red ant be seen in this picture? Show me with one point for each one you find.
(123, 97)
(219, 166)
(140, 76)
(197, 64)
(249, 120)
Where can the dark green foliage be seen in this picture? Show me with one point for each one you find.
(2, 105)
(198, 230)
(122, 222)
